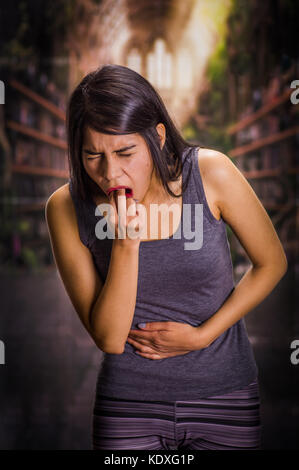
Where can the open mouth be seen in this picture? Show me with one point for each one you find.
(128, 191)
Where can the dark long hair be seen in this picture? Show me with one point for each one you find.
(115, 99)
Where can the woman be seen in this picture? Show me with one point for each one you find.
(178, 370)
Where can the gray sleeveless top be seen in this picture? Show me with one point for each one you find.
(182, 284)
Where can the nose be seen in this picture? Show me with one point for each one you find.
(111, 169)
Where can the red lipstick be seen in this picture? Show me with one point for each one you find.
(128, 192)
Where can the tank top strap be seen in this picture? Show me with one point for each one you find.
(82, 211)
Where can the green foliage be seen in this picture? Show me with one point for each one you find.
(23, 226)
(189, 132)
(218, 139)
(217, 67)
(29, 257)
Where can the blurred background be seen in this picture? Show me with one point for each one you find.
(226, 71)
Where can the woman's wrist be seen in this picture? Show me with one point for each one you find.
(125, 245)
(199, 339)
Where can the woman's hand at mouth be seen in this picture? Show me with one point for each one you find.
(121, 215)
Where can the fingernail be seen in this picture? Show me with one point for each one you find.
(141, 325)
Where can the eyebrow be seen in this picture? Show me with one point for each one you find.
(123, 149)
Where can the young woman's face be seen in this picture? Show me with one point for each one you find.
(120, 160)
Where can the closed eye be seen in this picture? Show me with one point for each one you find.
(121, 154)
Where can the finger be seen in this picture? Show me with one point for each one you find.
(138, 343)
(134, 223)
(113, 198)
(140, 347)
(148, 355)
(122, 211)
(117, 220)
(156, 325)
(131, 207)
(141, 336)
(118, 193)
(113, 212)
(156, 355)
(136, 205)
(146, 349)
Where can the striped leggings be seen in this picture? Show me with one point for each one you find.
(221, 422)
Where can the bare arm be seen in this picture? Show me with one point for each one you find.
(106, 310)
(113, 311)
(242, 210)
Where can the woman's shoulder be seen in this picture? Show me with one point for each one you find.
(212, 161)
(215, 167)
(59, 195)
(60, 199)
(63, 210)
